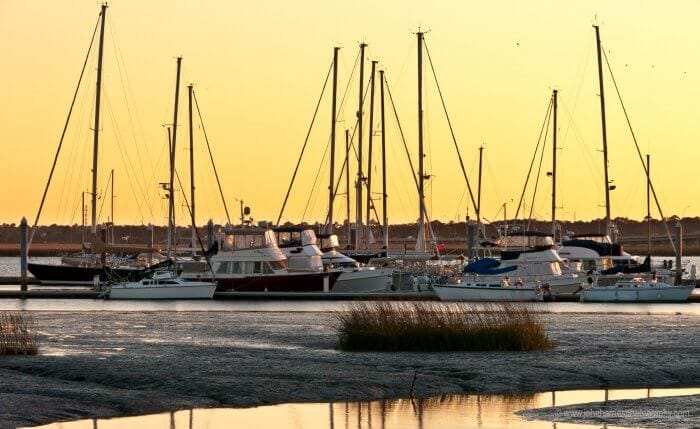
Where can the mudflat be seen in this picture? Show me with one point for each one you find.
(105, 364)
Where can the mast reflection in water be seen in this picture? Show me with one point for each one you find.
(440, 412)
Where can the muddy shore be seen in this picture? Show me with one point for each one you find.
(102, 364)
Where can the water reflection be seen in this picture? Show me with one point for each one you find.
(440, 412)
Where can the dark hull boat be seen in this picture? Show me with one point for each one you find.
(84, 275)
(281, 283)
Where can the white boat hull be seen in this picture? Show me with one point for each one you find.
(363, 281)
(475, 293)
(190, 291)
(641, 294)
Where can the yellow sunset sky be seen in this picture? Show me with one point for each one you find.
(258, 69)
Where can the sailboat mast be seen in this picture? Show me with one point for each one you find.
(171, 209)
(385, 218)
(648, 205)
(608, 222)
(478, 198)
(369, 149)
(554, 164)
(96, 129)
(347, 185)
(420, 244)
(358, 185)
(334, 113)
(190, 88)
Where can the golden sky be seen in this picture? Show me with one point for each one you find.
(258, 68)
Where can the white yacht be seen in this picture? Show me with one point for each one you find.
(251, 261)
(162, 285)
(301, 247)
(487, 290)
(637, 290)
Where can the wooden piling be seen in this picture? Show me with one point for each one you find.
(679, 251)
(24, 252)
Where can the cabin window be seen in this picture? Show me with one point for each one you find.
(267, 269)
(235, 267)
(278, 265)
(223, 268)
(258, 267)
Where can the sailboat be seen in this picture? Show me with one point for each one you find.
(99, 264)
(639, 289)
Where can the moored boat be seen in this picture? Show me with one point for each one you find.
(162, 285)
(251, 261)
(637, 290)
(486, 290)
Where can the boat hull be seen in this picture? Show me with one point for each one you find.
(72, 275)
(488, 294)
(190, 291)
(363, 281)
(614, 294)
(291, 282)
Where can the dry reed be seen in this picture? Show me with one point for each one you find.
(420, 326)
(17, 334)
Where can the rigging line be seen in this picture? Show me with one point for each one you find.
(63, 134)
(539, 171)
(354, 150)
(103, 194)
(449, 123)
(306, 141)
(122, 73)
(128, 164)
(318, 172)
(122, 152)
(403, 139)
(211, 157)
(189, 209)
(639, 153)
(534, 156)
(77, 204)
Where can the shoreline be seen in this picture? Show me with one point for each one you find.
(109, 364)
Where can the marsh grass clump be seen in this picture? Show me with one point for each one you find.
(17, 334)
(433, 327)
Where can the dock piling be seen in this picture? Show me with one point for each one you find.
(679, 251)
(23, 253)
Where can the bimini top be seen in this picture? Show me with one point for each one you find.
(487, 266)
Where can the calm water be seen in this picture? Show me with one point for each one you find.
(443, 412)
(691, 309)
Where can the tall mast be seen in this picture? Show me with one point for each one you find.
(369, 150)
(334, 114)
(385, 220)
(96, 130)
(190, 88)
(554, 164)
(478, 197)
(420, 243)
(358, 185)
(648, 205)
(608, 221)
(347, 185)
(171, 209)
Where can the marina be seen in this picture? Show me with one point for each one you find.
(370, 215)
